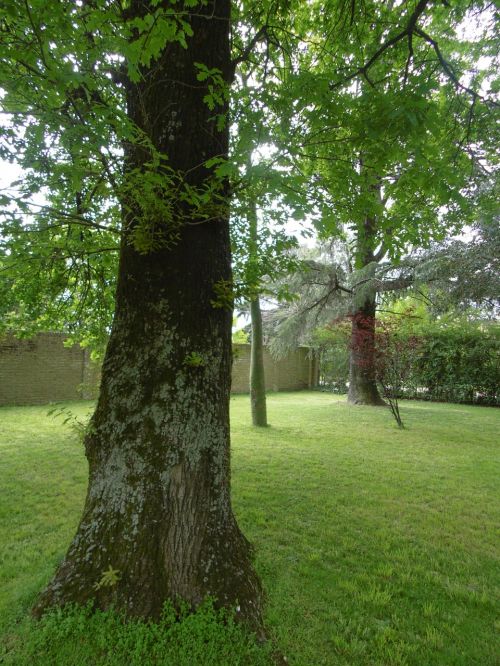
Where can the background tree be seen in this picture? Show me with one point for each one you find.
(463, 275)
(261, 208)
(452, 281)
(399, 153)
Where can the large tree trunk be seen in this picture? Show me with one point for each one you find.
(363, 388)
(257, 372)
(158, 508)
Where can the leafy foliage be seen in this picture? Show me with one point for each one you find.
(80, 427)
(398, 152)
(459, 363)
(110, 577)
(194, 360)
(370, 120)
(88, 636)
(67, 126)
(451, 360)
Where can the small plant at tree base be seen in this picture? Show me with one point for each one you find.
(87, 635)
(110, 577)
(224, 295)
(79, 427)
(194, 360)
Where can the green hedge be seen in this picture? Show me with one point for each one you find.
(454, 362)
(458, 364)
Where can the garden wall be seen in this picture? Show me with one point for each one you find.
(298, 370)
(43, 370)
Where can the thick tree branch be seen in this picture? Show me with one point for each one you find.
(408, 33)
(378, 256)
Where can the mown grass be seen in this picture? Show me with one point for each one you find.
(375, 545)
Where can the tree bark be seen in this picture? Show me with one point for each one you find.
(158, 509)
(363, 388)
(257, 372)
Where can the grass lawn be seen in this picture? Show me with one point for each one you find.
(375, 546)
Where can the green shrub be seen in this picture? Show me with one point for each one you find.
(456, 361)
(459, 363)
(76, 636)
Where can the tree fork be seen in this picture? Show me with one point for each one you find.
(157, 522)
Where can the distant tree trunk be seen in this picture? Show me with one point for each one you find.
(257, 372)
(363, 388)
(158, 509)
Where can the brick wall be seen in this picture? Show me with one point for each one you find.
(296, 371)
(39, 370)
(43, 370)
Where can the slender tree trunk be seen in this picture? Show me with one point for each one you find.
(158, 510)
(257, 373)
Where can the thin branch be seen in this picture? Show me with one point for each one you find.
(449, 71)
(71, 217)
(259, 35)
(410, 28)
(401, 314)
(36, 33)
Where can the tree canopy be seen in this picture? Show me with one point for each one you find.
(372, 111)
